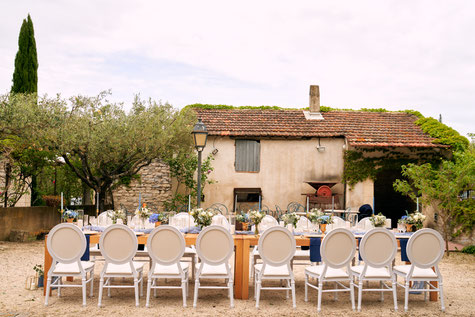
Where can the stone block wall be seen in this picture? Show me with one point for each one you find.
(154, 186)
(25, 200)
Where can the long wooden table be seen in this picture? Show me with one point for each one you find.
(242, 245)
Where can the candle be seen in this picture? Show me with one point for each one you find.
(140, 200)
(417, 203)
(333, 202)
(61, 202)
(235, 203)
(189, 203)
(308, 205)
(259, 203)
(97, 204)
(374, 209)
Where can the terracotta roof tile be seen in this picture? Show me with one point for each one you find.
(382, 129)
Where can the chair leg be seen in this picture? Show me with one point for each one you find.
(319, 301)
(193, 264)
(352, 294)
(306, 288)
(60, 282)
(183, 290)
(426, 284)
(149, 287)
(91, 290)
(382, 293)
(48, 289)
(84, 290)
(294, 305)
(441, 295)
(136, 287)
(394, 293)
(231, 293)
(141, 284)
(197, 286)
(101, 287)
(406, 295)
(258, 295)
(335, 295)
(287, 291)
(108, 283)
(360, 293)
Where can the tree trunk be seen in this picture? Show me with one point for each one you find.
(8, 170)
(34, 190)
(86, 195)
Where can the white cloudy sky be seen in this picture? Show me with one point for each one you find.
(393, 54)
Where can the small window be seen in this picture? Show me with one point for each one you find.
(248, 154)
(246, 198)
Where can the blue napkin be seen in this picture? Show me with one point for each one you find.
(244, 232)
(403, 244)
(85, 256)
(315, 249)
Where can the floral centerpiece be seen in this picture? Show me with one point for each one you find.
(158, 218)
(242, 221)
(319, 217)
(202, 217)
(378, 220)
(290, 218)
(416, 219)
(116, 215)
(69, 215)
(143, 212)
(39, 274)
(256, 217)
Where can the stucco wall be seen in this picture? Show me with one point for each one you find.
(284, 166)
(33, 220)
(362, 193)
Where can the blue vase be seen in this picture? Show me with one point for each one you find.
(41, 281)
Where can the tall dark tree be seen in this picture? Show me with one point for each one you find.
(25, 76)
(25, 80)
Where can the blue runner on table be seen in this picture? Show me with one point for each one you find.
(315, 249)
(403, 244)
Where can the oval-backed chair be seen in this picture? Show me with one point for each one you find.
(425, 249)
(66, 244)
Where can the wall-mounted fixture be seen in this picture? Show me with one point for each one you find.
(215, 151)
(320, 148)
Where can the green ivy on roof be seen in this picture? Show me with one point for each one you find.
(440, 132)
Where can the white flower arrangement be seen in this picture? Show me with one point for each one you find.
(202, 217)
(116, 214)
(291, 218)
(416, 219)
(378, 220)
(256, 216)
(317, 216)
(143, 212)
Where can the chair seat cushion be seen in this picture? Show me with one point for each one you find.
(190, 250)
(330, 273)
(170, 269)
(372, 272)
(123, 268)
(72, 268)
(417, 273)
(302, 253)
(214, 269)
(281, 270)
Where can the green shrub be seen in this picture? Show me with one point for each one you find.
(470, 249)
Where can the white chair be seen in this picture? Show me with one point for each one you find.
(378, 249)
(337, 250)
(365, 224)
(220, 220)
(184, 220)
(166, 246)
(266, 223)
(66, 244)
(304, 224)
(277, 248)
(425, 249)
(338, 223)
(214, 246)
(103, 220)
(118, 247)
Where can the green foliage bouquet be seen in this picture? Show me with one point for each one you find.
(317, 216)
(202, 217)
(143, 212)
(242, 217)
(69, 214)
(256, 216)
(291, 218)
(416, 219)
(116, 214)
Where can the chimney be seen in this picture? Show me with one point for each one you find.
(314, 107)
(314, 98)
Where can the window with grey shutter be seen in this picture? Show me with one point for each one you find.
(248, 154)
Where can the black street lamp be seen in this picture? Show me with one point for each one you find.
(200, 135)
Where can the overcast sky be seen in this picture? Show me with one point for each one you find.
(392, 54)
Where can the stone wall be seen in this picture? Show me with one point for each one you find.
(25, 200)
(154, 187)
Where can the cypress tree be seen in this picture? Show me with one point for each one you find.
(25, 76)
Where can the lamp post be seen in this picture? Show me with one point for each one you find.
(200, 135)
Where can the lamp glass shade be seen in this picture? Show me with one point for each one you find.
(200, 139)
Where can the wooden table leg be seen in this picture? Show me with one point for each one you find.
(246, 244)
(238, 269)
(47, 266)
(433, 296)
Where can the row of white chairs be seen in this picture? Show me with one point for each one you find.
(66, 244)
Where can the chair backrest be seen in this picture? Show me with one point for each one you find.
(66, 243)
(295, 207)
(220, 220)
(182, 220)
(338, 248)
(214, 245)
(338, 222)
(219, 208)
(277, 246)
(103, 219)
(425, 248)
(118, 244)
(365, 224)
(304, 224)
(166, 245)
(267, 222)
(378, 247)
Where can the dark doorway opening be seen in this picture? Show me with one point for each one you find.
(389, 202)
(246, 198)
